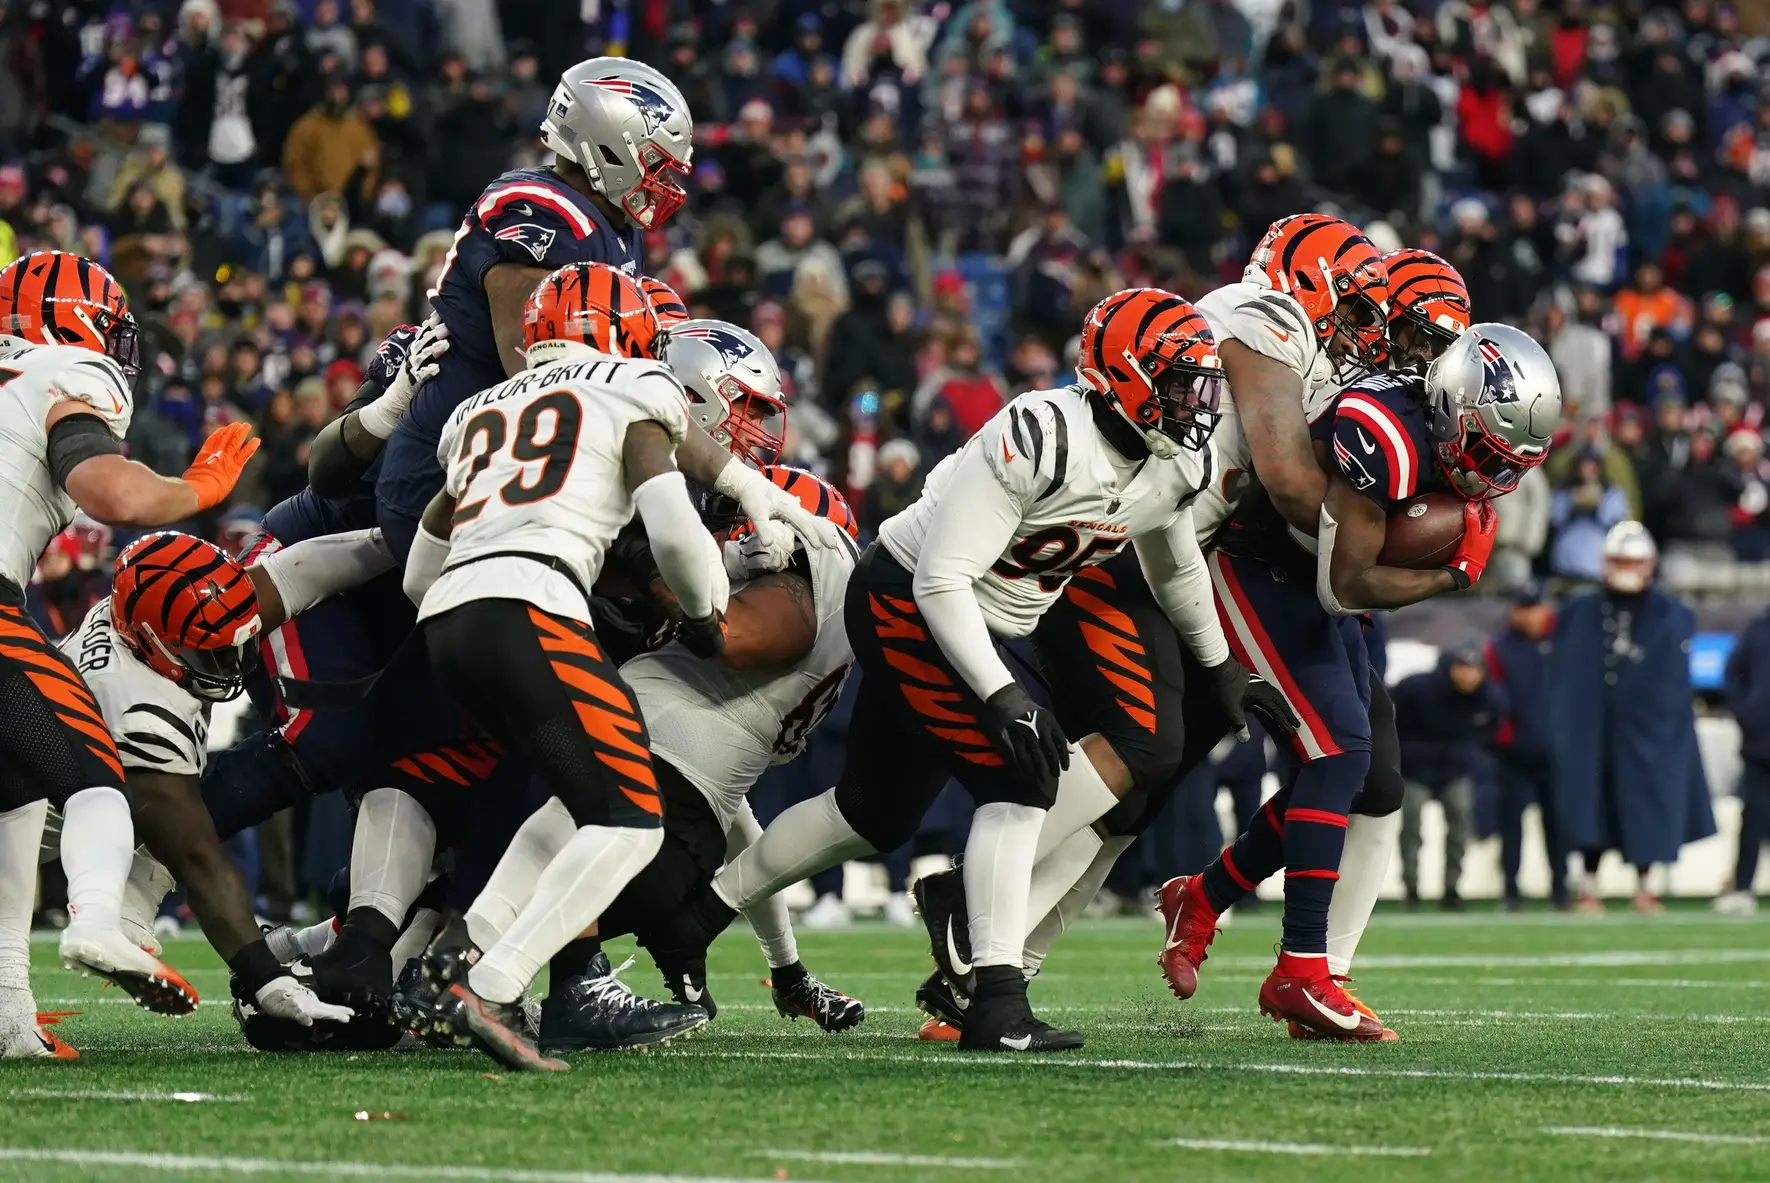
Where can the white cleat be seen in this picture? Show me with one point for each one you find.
(898, 912)
(106, 952)
(1735, 903)
(829, 912)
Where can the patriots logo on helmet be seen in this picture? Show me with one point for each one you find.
(391, 355)
(733, 350)
(536, 240)
(653, 107)
(1501, 386)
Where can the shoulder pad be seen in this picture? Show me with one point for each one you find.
(1027, 446)
(1274, 325)
(97, 381)
(1378, 446)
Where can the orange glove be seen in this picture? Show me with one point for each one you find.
(215, 471)
(1480, 521)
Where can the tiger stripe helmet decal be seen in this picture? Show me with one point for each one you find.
(1150, 356)
(185, 608)
(595, 304)
(60, 298)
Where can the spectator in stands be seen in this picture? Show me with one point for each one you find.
(1582, 513)
(874, 339)
(1748, 473)
(969, 390)
(796, 248)
(1649, 307)
(1628, 775)
(1703, 499)
(886, 41)
(1523, 532)
(1342, 130)
(1446, 718)
(897, 485)
(1581, 353)
(324, 145)
(1517, 660)
(1748, 697)
(150, 165)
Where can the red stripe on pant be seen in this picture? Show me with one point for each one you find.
(1253, 647)
(280, 650)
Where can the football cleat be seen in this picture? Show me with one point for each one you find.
(1298, 1031)
(106, 952)
(935, 1031)
(1300, 989)
(1190, 926)
(496, 1028)
(599, 1013)
(940, 898)
(936, 999)
(999, 1018)
(35, 1041)
(824, 1005)
(413, 1006)
(687, 983)
(355, 971)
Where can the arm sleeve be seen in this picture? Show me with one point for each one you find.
(424, 564)
(973, 524)
(1175, 568)
(316, 568)
(98, 382)
(687, 557)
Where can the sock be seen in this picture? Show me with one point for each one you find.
(805, 839)
(97, 849)
(1082, 800)
(1058, 871)
(1364, 864)
(390, 853)
(21, 831)
(1256, 854)
(418, 931)
(143, 892)
(787, 976)
(998, 876)
(573, 961)
(768, 916)
(317, 938)
(1314, 837)
(581, 881)
(1074, 902)
(370, 924)
(536, 843)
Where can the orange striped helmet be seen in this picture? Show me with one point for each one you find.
(185, 608)
(595, 305)
(669, 306)
(1150, 356)
(817, 495)
(1329, 267)
(60, 298)
(1428, 306)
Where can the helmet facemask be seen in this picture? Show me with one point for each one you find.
(756, 429)
(1416, 342)
(657, 196)
(213, 675)
(1184, 403)
(1357, 330)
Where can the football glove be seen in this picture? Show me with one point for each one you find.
(1237, 691)
(761, 500)
(1029, 737)
(285, 998)
(704, 637)
(765, 549)
(215, 471)
(421, 363)
(1480, 522)
(1269, 704)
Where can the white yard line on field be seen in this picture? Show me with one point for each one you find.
(939, 1061)
(216, 1165)
(1610, 1131)
(880, 1158)
(1299, 1148)
(111, 1095)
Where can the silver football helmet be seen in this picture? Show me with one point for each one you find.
(725, 366)
(628, 128)
(1495, 402)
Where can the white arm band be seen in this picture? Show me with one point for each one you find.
(1324, 563)
(1174, 566)
(316, 568)
(686, 555)
(424, 564)
(971, 527)
(381, 416)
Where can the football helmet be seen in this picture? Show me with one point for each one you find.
(1150, 356)
(1428, 306)
(628, 128)
(589, 304)
(736, 386)
(1329, 267)
(1494, 402)
(60, 298)
(185, 608)
(664, 301)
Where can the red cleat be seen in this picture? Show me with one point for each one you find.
(935, 1031)
(1301, 990)
(1298, 1031)
(1190, 925)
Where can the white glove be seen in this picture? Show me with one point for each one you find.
(423, 362)
(763, 501)
(285, 998)
(766, 549)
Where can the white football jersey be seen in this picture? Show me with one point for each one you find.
(158, 726)
(1273, 324)
(1076, 511)
(33, 378)
(534, 465)
(722, 728)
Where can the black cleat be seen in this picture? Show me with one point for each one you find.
(941, 901)
(1026, 1033)
(687, 983)
(499, 1029)
(809, 998)
(413, 1005)
(599, 1013)
(936, 999)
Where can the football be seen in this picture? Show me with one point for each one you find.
(1424, 532)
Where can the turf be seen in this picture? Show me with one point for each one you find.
(1512, 1028)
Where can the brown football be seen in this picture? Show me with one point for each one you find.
(1423, 533)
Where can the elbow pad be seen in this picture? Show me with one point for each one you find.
(686, 555)
(424, 564)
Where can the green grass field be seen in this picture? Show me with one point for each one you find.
(1533, 1047)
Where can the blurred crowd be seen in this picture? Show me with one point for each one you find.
(912, 202)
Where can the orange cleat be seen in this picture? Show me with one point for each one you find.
(1190, 926)
(1298, 1031)
(37, 1042)
(153, 984)
(1301, 990)
(935, 1031)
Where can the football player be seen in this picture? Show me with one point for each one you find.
(69, 357)
(156, 653)
(543, 471)
(1055, 484)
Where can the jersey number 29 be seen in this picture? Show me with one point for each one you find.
(557, 413)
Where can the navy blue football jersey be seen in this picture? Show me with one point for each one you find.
(530, 217)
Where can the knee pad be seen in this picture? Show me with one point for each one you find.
(884, 823)
(1382, 792)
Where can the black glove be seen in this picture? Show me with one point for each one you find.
(1236, 691)
(704, 637)
(1028, 736)
(631, 556)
